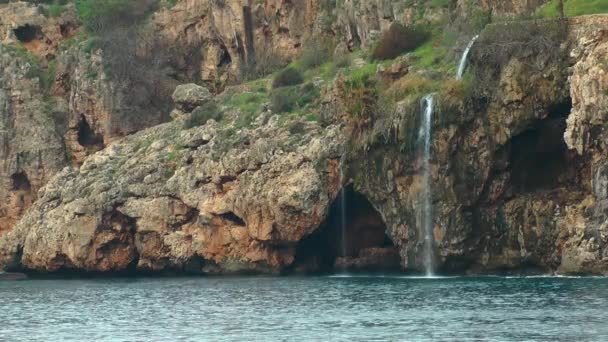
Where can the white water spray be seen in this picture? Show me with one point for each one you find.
(426, 215)
(463, 60)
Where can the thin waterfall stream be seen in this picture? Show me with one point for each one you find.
(343, 210)
(426, 215)
(463, 60)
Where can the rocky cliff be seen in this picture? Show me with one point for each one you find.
(519, 168)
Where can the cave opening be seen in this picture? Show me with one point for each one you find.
(539, 158)
(225, 58)
(28, 33)
(352, 238)
(20, 182)
(86, 136)
(233, 218)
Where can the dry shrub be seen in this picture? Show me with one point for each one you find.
(266, 61)
(287, 77)
(397, 40)
(410, 85)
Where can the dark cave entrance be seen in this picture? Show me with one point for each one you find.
(539, 158)
(352, 238)
(28, 33)
(225, 59)
(86, 136)
(20, 182)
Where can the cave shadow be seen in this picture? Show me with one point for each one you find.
(87, 137)
(28, 33)
(539, 158)
(351, 239)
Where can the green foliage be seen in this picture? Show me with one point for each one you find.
(204, 113)
(56, 10)
(288, 99)
(297, 127)
(359, 94)
(316, 52)
(47, 76)
(397, 40)
(106, 15)
(573, 8)
(287, 77)
(90, 45)
(440, 3)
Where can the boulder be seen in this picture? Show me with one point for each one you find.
(189, 96)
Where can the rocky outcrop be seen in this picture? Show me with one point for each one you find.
(519, 169)
(32, 150)
(205, 200)
(21, 22)
(220, 39)
(509, 193)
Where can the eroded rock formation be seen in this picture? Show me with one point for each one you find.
(519, 175)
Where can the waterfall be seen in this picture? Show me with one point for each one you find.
(343, 210)
(426, 215)
(463, 60)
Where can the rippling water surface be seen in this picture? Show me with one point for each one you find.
(305, 309)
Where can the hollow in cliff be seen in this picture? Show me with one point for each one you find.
(28, 33)
(539, 158)
(352, 238)
(87, 137)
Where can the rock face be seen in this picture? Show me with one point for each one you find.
(32, 150)
(519, 170)
(209, 199)
(518, 185)
(222, 38)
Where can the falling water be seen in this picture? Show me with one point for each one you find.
(343, 209)
(463, 59)
(426, 217)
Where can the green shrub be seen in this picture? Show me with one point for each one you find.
(284, 99)
(56, 9)
(106, 15)
(47, 77)
(342, 60)
(287, 99)
(397, 40)
(287, 77)
(297, 127)
(204, 113)
(316, 52)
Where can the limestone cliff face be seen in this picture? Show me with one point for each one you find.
(220, 38)
(519, 175)
(519, 185)
(32, 150)
(210, 199)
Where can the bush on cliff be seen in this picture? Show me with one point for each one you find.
(316, 52)
(499, 44)
(106, 15)
(397, 40)
(288, 99)
(287, 77)
(200, 115)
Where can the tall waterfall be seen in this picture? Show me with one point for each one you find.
(426, 215)
(343, 210)
(463, 60)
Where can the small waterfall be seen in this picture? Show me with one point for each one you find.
(463, 60)
(426, 215)
(343, 209)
